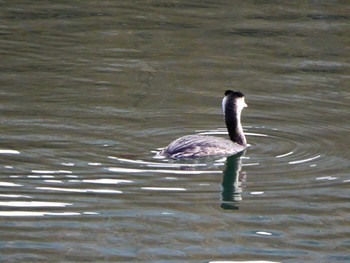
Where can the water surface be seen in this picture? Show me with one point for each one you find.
(90, 91)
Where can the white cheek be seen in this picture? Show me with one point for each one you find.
(241, 104)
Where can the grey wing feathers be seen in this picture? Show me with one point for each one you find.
(198, 145)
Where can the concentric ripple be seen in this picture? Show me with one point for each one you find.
(295, 149)
(292, 149)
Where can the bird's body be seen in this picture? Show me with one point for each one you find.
(193, 146)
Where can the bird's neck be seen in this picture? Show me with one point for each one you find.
(234, 126)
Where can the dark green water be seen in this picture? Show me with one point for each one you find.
(90, 90)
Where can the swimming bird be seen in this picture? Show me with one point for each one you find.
(192, 146)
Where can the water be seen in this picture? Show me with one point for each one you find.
(90, 91)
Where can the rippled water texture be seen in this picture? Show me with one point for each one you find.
(90, 90)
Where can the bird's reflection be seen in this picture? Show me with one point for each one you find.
(232, 183)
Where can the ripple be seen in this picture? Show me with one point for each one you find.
(327, 178)
(4, 151)
(68, 164)
(54, 181)
(134, 170)
(95, 164)
(291, 149)
(284, 155)
(34, 204)
(36, 213)
(40, 176)
(156, 164)
(263, 233)
(102, 181)
(15, 196)
(218, 132)
(51, 172)
(76, 190)
(283, 149)
(33, 213)
(163, 188)
(9, 184)
(305, 160)
(241, 261)
(257, 193)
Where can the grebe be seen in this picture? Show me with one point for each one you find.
(192, 146)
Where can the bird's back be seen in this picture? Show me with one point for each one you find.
(200, 146)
